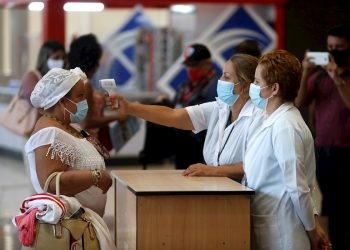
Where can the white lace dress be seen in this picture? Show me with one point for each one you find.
(76, 153)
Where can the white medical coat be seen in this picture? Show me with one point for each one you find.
(213, 116)
(280, 166)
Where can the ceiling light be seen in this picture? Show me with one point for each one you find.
(83, 7)
(183, 8)
(36, 6)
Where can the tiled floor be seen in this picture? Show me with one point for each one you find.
(15, 186)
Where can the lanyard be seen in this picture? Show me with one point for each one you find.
(225, 144)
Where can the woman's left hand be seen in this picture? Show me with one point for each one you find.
(318, 237)
(332, 68)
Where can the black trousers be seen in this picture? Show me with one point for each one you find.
(333, 176)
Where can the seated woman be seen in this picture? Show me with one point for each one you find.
(55, 146)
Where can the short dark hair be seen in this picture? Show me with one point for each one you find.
(195, 53)
(47, 49)
(250, 47)
(284, 68)
(341, 30)
(84, 52)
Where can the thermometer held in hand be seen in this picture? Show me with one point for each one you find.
(111, 87)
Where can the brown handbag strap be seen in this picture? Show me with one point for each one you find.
(49, 179)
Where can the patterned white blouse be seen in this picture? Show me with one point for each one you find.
(76, 153)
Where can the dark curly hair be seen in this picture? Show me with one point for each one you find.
(341, 30)
(250, 47)
(84, 52)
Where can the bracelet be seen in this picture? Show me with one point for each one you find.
(96, 177)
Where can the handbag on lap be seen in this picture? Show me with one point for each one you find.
(71, 232)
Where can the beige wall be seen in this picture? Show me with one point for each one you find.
(102, 24)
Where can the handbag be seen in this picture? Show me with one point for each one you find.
(76, 232)
(19, 117)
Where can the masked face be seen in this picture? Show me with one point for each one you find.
(53, 63)
(226, 93)
(341, 57)
(82, 109)
(194, 74)
(254, 93)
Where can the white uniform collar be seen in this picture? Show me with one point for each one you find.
(281, 109)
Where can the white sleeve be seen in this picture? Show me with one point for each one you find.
(61, 147)
(200, 114)
(289, 150)
(45, 136)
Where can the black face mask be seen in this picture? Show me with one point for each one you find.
(341, 57)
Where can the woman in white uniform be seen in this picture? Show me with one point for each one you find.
(228, 119)
(280, 163)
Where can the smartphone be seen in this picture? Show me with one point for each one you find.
(110, 86)
(318, 58)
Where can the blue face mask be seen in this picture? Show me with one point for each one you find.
(225, 92)
(254, 93)
(82, 109)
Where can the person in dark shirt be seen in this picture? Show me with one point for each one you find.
(328, 89)
(184, 147)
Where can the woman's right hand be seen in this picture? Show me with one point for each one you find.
(105, 182)
(117, 103)
(308, 65)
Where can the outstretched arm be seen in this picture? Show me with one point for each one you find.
(96, 121)
(177, 118)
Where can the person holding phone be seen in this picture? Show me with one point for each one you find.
(329, 88)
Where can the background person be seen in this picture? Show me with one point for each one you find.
(250, 47)
(51, 55)
(329, 89)
(279, 163)
(186, 147)
(85, 52)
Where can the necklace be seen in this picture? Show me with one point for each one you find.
(83, 134)
(70, 129)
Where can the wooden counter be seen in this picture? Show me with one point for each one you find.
(161, 209)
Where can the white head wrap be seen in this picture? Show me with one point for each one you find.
(55, 85)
